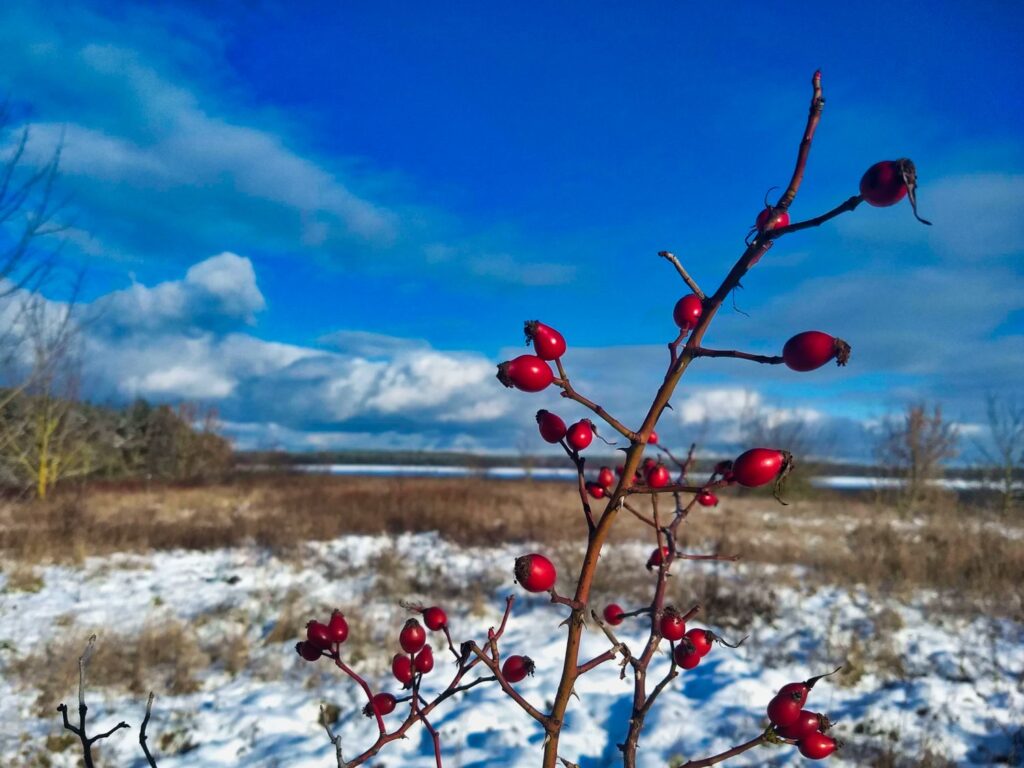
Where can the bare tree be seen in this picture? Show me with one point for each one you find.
(1004, 449)
(28, 212)
(912, 448)
(43, 434)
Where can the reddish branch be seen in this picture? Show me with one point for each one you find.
(757, 248)
(569, 392)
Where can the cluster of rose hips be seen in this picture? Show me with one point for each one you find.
(792, 721)
(805, 351)
(323, 638)
(693, 644)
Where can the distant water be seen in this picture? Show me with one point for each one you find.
(835, 482)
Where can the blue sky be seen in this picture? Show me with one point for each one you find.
(330, 219)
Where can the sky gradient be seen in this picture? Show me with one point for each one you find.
(329, 220)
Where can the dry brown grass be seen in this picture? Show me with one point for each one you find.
(964, 553)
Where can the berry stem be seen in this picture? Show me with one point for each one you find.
(738, 750)
(671, 258)
(569, 392)
(766, 359)
(848, 205)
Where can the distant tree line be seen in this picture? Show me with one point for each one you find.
(46, 440)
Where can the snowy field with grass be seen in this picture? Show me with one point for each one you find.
(213, 634)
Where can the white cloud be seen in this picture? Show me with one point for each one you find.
(218, 292)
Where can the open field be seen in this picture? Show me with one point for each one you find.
(973, 557)
(200, 593)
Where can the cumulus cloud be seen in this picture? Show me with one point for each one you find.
(215, 294)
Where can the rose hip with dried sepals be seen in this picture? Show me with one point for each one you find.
(412, 637)
(382, 704)
(580, 434)
(337, 628)
(672, 626)
(806, 723)
(317, 634)
(707, 499)
(887, 182)
(435, 618)
(684, 654)
(817, 746)
(526, 372)
(548, 343)
(658, 556)
(401, 668)
(759, 466)
(535, 573)
(658, 476)
(516, 668)
(424, 660)
(552, 428)
(687, 312)
(812, 349)
(762, 219)
(701, 640)
(307, 651)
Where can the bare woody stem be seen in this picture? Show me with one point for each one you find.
(671, 258)
(715, 759)
(766, 359)
(569, 392)
(849, 205)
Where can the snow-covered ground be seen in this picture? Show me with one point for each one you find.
(953, 687)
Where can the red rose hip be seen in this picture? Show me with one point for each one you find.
(547, 342)
(535, 573)
(883, 184)
(605, 477)
(435, 618)
(613, 614)
(812, 349)
(552, 428)
(580, 434)
(596, 490)
(401, 668)
(412, 637)
(307, 651)
(701, 640)
(384, 704)
(424, 660)
(526, 372)
(658, 476)
(317, 634)
(707, 499)
(767, 213)
(337, 628)
(672, 626)
(806, 723)
(817, 746)
(516, 668)
(759, 466)
(688, 311)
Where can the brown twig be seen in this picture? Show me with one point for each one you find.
(569, 392)
(766, 359)
(849, 205)
(671, 257)
(738, 750)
